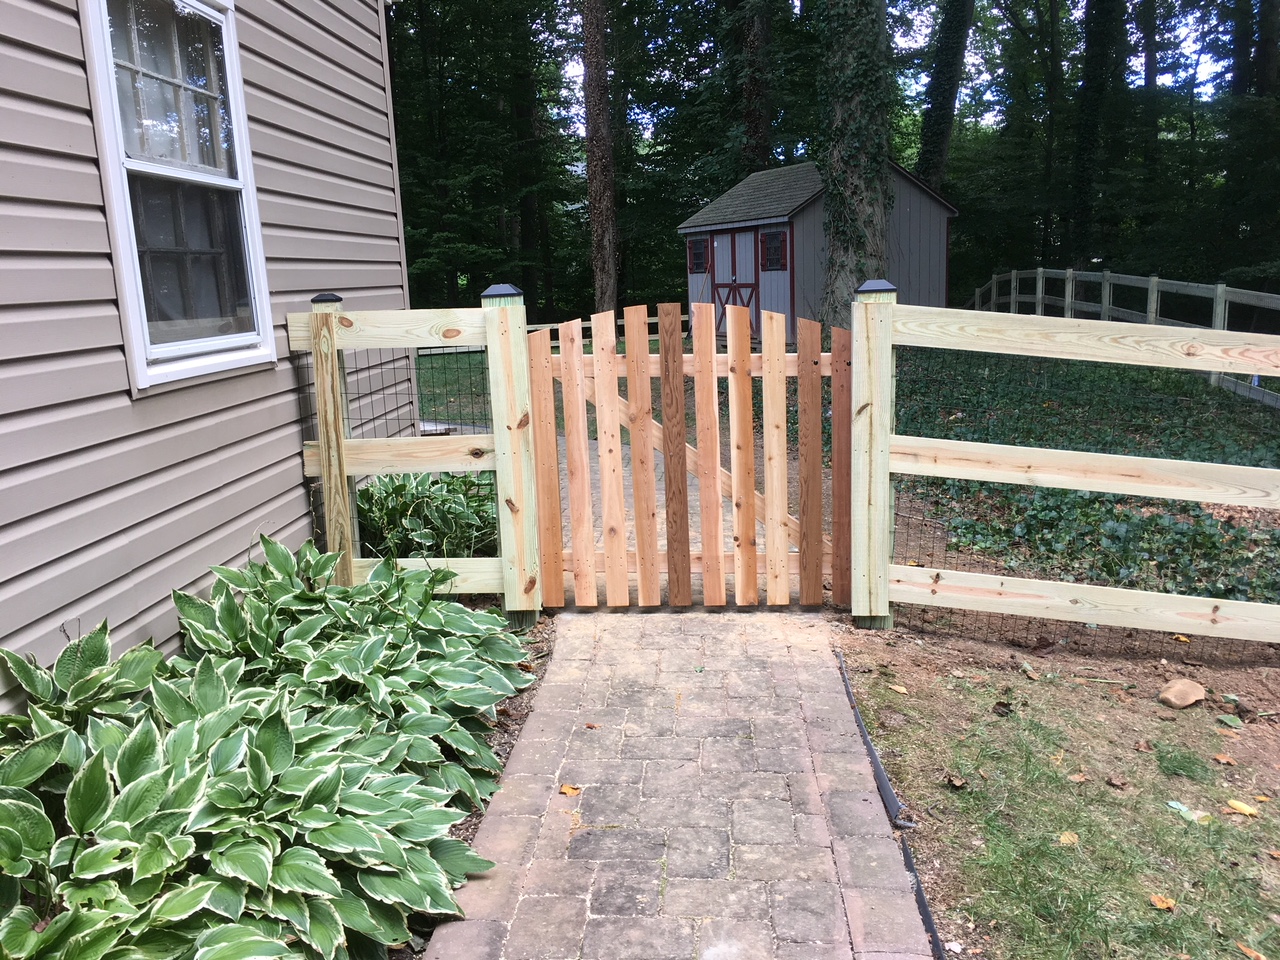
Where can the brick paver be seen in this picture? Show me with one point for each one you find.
(727, 808)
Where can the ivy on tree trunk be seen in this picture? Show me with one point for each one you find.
(600, 185)
(940, 95)
(859, 98)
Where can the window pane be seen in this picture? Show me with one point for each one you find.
(195, 285)
(155, 36)
(161, 121)
(158, 226)
(129, 121)
(121, 30)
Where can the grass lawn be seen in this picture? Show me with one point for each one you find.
(1046, 828)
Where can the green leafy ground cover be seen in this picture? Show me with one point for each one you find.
(429, 515)
(1153, 412)
(283, 790)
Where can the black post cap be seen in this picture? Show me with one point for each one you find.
(502, 290)
(326, 298)
(877, 286)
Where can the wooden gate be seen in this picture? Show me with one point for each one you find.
(338, 459)
(646, 531)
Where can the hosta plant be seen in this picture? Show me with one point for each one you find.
(236, 808)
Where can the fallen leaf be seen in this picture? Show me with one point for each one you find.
(1079, 778)
(1029, 673)
(1068, 839)
(1224, 732)
(593, 726)
(569, 790)
(1228, 720)
(1250, 952)
(1163, 903)
(1241, 807)
(897, 689)
(913, 563)
(983, 774)
(953, 947)
(1186, 813)
(1223, 759)
(1262, 798)
(1118, 782)
(1002, 708)
(1181, 639)
(1056, 759)
(1143, 747)
(1274, 854)
(956, 783)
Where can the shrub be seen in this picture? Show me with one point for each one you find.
(284, 790)
(429, 515)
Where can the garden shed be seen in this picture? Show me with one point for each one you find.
(174, 178)
(761, 245)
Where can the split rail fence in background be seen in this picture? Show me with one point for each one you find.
(590, 371)
(880, 327)
(338, 459)
(1006, 291)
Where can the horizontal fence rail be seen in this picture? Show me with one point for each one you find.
(879, 328)
(1007, 291)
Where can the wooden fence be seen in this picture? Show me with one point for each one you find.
(1008, 291)
(590, 371)
(879, 328)
(338, 459)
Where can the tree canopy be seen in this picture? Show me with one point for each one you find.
(1138, 135)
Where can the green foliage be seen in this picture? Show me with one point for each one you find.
(287, 791)
(429, 515)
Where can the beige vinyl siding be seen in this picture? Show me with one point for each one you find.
(111, 499)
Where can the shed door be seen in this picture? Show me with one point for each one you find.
(737, 276)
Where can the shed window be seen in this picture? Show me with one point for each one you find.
(180, 188)
(698, 255)
(773, 250)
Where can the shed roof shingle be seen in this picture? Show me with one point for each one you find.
(769, 194)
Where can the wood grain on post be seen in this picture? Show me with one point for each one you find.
(809, 390)
(547, 460)
(742, 456)
(773, 347)
(707, 405)
(871, 487)
(674, 463)
(1153, 299)
(604, 348)
(578, 462)
(511, 405)
(332, 431)
(643, 484)
(1219, 321)
(841, 464)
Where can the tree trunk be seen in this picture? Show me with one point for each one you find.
(1103, 36)
(1241, 46)
(757, 150)
(1052, 103)
(1149, 30)
(859, 95)
(940, 94)
(1266, 64)
(600, 188)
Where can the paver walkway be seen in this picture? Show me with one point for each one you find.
(727, 808)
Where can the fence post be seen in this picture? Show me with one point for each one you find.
(995, 291)
(1039, 291)
(977, 298)
(1069, 294)
(1106, 296)
(1219, 321)
(871, 487)
(1013, 291)
(1153, 299)
(332, 431)
(511, 400)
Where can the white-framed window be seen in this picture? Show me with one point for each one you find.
(179, 187)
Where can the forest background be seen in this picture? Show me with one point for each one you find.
(1142, 136)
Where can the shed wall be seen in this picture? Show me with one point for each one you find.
(917, 239)
(112, 500)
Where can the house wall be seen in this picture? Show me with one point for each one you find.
(112, 499)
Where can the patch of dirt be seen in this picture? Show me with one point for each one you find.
(1106, 706)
